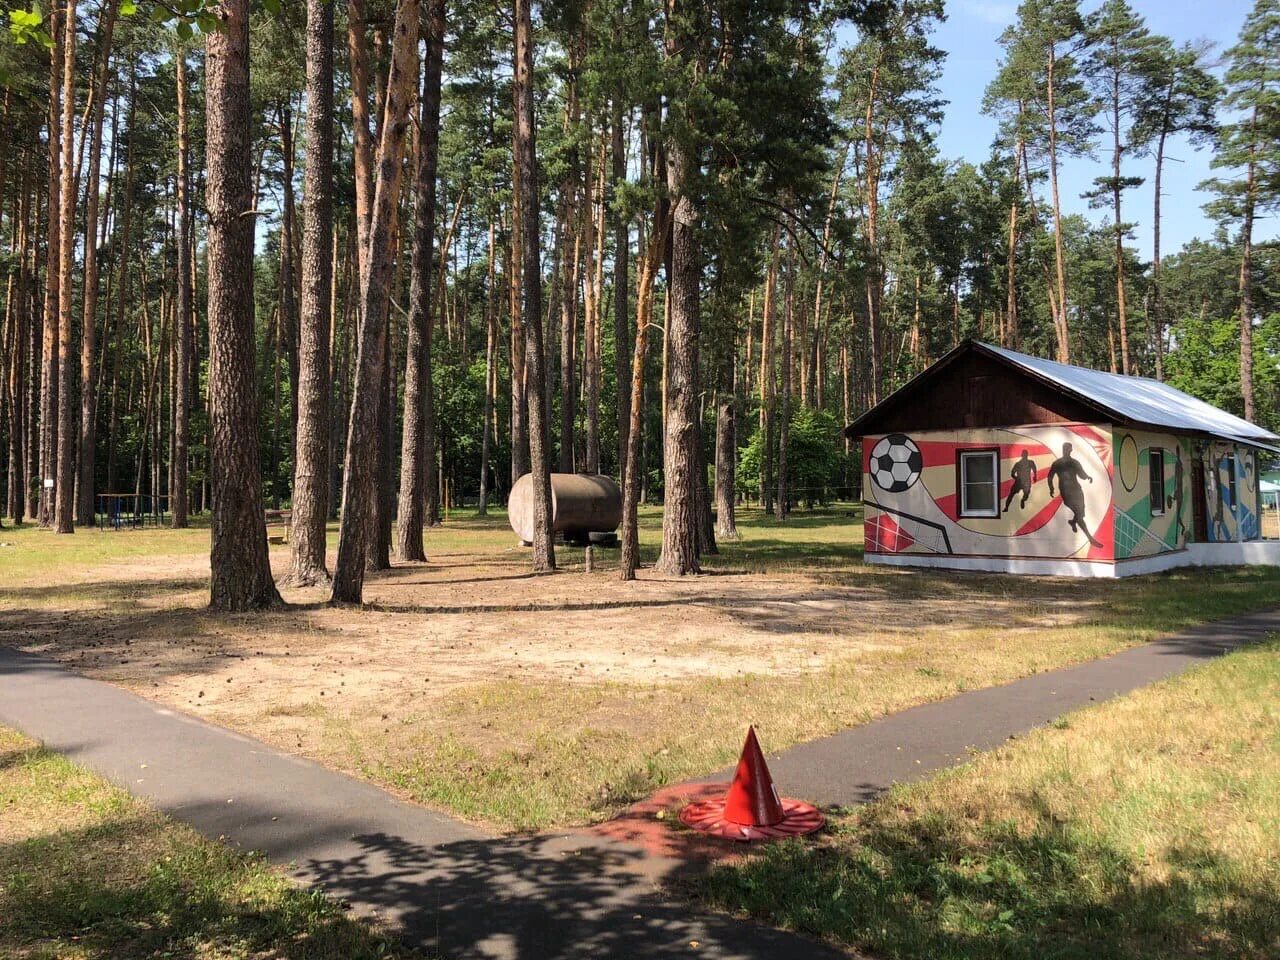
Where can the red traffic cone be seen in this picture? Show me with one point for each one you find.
(752, 809)
(752, 800)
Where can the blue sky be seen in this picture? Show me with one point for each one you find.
(969, 38)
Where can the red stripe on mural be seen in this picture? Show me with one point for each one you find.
(940, 453)
(1105, 535)
(1040, 519)
(1100, 441)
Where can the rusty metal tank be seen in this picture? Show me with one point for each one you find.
(581, 504)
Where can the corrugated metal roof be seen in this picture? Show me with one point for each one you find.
(1141, 400)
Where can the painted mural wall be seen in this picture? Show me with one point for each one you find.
(1146, 522)
(1054, 485)
(1231, 509)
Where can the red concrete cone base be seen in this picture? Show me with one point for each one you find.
(752, 809)
(798, 818)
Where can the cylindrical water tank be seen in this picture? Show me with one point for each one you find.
(581, 503)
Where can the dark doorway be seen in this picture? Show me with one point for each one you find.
(1199, 528)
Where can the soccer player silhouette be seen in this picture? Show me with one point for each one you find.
(1179, 492)
(1023, 475)
(1069, 473)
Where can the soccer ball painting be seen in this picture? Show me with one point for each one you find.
(896, 463)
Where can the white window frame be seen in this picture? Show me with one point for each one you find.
(1157, 503)
(993, 457)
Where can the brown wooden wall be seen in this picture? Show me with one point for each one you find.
(977, 391)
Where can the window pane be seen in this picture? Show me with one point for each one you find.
(980, 498)
(978, 478)
(980, 468)
(1155, 466)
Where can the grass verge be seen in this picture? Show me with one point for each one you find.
(88, 872)
(1148, 826)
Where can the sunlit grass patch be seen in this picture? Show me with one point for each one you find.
(1145, 827)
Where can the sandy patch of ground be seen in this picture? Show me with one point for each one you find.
(462, 618)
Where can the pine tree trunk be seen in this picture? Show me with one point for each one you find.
(88, 337)
(311, 464)
(782, 505)
(64, 513)
(621, 285)
(593, 286)
(49, 341)
(362, 150)
(490, 368)
(519, 386)
(631, 487)
(122, 295)
(241, 570)
(417, 448)
(16, 501)
(360, 486)
(1157, 304)
(726, 447)
(288, 268)
(526, 163)
(767, 338)
(1246, 286)
(572, 243)
(1063, 332)
(186, 321)
(681, 510)
(1122, 313)
(1009, 329)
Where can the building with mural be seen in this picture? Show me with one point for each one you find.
(995, 460)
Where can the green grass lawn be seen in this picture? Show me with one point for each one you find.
(1146, 827)
(88, 872)
(520, 749)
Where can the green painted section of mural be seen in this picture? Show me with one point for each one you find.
(1144, 529)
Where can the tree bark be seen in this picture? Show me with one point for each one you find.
(1246, 278)
(593, 296)
(490, 368)
(362, 151)
(1059, 255)
(1009, 329)
(64, 513)
(88, 337)
(621, 286)
(782, 505)
(311, 463)
(417, 446)
(726, 446)
(360, 486)
(631, 489)
(681, 511)
(241, 570)
(18, 356)
(186, 320)
(1122, 312)
(1157, 304)
(49, 379)
(526, 163)
(767, 337)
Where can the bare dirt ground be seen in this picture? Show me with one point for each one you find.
(471, 617)
(468, 661)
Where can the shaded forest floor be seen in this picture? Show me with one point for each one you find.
(530, 702)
